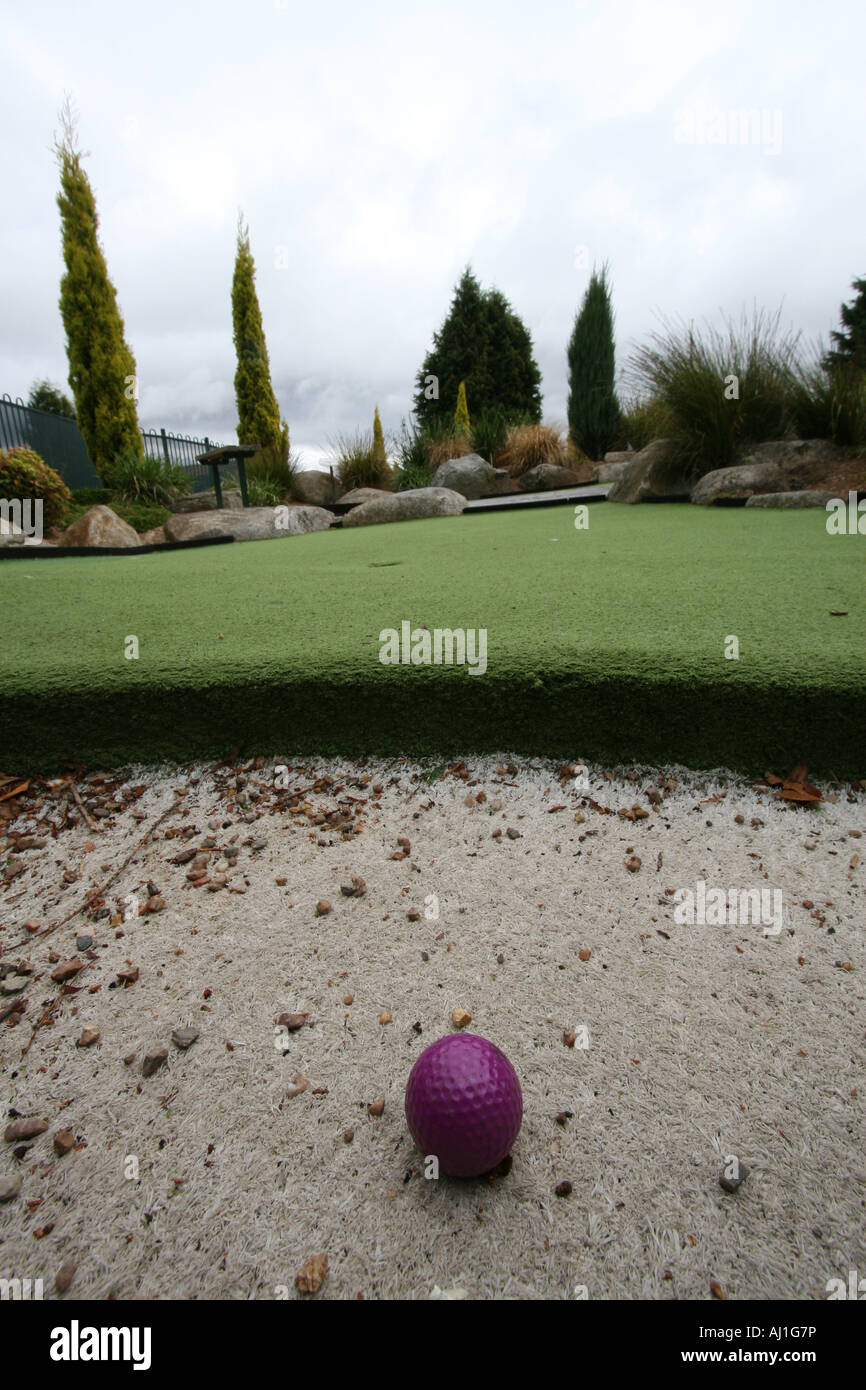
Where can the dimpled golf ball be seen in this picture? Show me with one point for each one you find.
(463, 1104)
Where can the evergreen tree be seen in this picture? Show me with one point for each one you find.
(258, 413)
(851, 341)
(102, 371)
(378, 439)
(45, 396)
(514, 371)
(461, 414)
(593, 409)
(483, 343)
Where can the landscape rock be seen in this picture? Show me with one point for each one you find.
(358, 495)
(10, 1187)
(643, 480)
(249, 524)
(155, 536)
(414, 504)
(779, 465)
(471, 476)
(315, 487)
(100, 526)
(614, 467)
(153, 1061)
(546, 476)
(206, 501)
(789, 500)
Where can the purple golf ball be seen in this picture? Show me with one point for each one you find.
(464, 1104)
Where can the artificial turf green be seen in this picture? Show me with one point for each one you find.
(605, 643)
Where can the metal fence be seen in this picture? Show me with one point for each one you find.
(56, 439)
(181, 449)
(59, 441)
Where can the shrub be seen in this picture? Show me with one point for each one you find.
(829, 402)
(528, 445)
(490, 431)
(641, 421)
(410, 448)
(24, 474)
(91, 497)
(356, 463)
(145, 479)
(461, 414)
(686, 372)
(265, 491)
(275, 465)
(593, 409)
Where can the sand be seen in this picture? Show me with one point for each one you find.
(208, 1179)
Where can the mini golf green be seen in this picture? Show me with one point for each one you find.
(606, 643)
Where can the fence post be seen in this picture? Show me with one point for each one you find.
(165, 446)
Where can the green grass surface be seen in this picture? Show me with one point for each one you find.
(604, 644)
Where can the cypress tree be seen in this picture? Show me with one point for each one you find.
(102, 371)
(258, 413)
(461, 414)
(378, 439)
(850, 350)
(593, 409)
(483, 343)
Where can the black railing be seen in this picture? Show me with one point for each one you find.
(58, 440)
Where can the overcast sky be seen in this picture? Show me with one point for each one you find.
(376, 149)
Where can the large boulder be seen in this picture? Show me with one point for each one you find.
(643, 479)
(249, 524)
(358, 495)
(155, 536)
(614, 467)
(779, 465)
(207, 502)
(315, 487)
(472, 476)
(546, 476)
(789, 500)
(100, 527)
(411, 505)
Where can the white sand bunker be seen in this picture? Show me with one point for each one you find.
(651, 1050)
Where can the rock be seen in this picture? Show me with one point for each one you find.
(10, 1187)
(377, 1107)
(128, 977)
(13, 984)
(471, 476)
(83, 943)
(615, 466)
(100, 526)
(385, 1016)
(311, 1276)
(348, 1136)
(564, 1188)
(64, 1142)
(155, 536)
(633, 863)
(415, 503)
(315, 487)
(323, 907)
(730, 1181)
(546, 476)
(619, 456)
(293, 1021)
(359, 495)
(89, 1036)
(66, 970)
(153, 1061)
(184, 1037)
(64, 1276)
(513, 834)
(461, 1018)
(789, 500)
(778, 465)
(248, 524)
(356, 889)
(206, 501)
(644, 479)
(298, 1086)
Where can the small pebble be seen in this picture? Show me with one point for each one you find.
(385, 1016)
(731, 1183)
(10, 1187)
(64, 1276)
(348, 1136)
(184, 1037)
(460, 1018)
(323, 907)
(64, 1141)
(564, 1188)
(153, 1061)
(311, 1276)
(83, 943)
(377, 1107)
(89, 1036)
